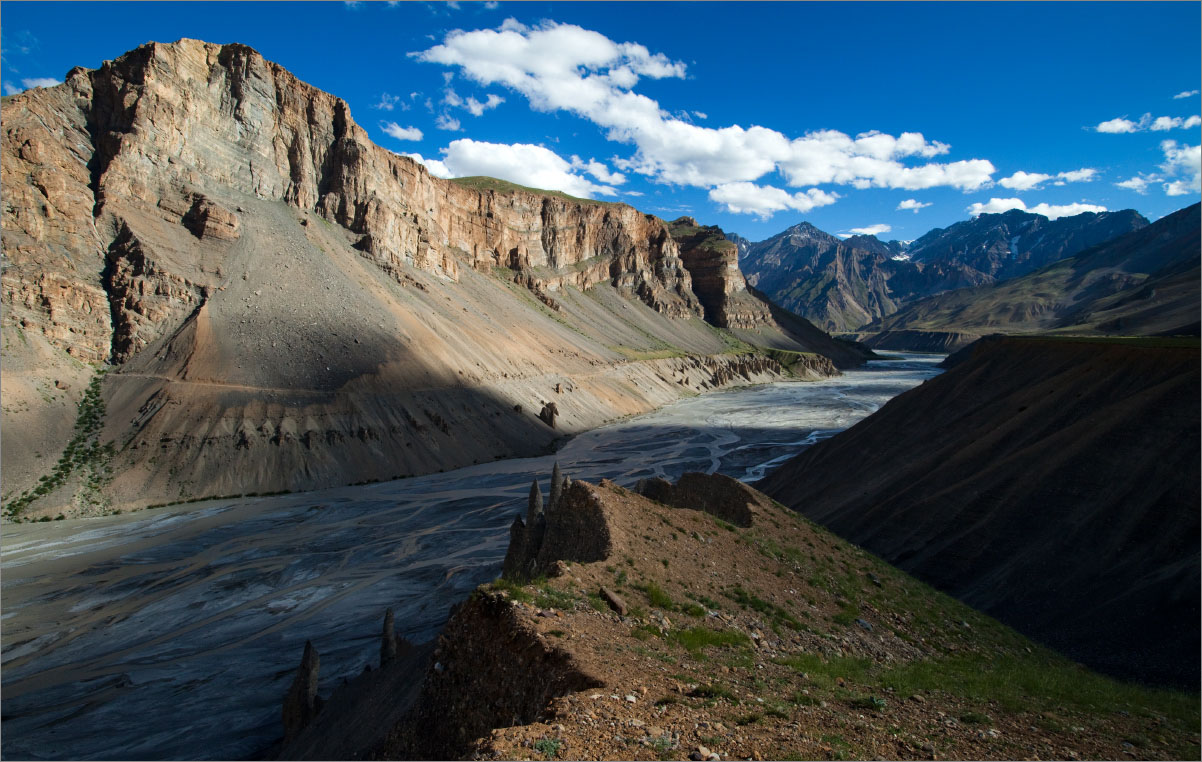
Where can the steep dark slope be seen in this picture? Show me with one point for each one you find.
(1053, 483)
(1140, 283)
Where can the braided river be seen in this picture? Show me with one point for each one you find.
(174, 633)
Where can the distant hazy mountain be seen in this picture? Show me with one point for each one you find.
(842, 285)
(1143, 282)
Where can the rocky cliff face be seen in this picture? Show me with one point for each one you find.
(286, 305)
(717, 280)
(148, 133)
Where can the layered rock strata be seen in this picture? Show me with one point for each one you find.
(287, 305)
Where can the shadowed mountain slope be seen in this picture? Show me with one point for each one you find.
(1053, 483)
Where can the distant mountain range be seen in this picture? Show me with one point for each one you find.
(1144, 282)
(843, 285)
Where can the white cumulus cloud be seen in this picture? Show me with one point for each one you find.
(1022, 181)
(1051, 211)
(401, 133)
(1139, 183)
(447, 122)
(436, 167)
(521, 163)
(1183, 162)
(598, 170)
(563, 67)
(765, 200)
(477, 108)
(912, 203)
(871, 229)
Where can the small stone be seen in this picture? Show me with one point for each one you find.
(631, 698)
(864, 624)
(637, 723)
(704, 752)
(713, 758)
(719, 727)
(614, 600)
(655, 730)
(918, 699)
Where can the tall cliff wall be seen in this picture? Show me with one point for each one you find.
(285, 305)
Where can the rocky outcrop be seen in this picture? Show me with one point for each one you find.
(493, 668)
(302, 703)
(713, 262)
(716, 494)
(574, 527)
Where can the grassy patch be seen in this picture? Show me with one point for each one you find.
(714, 691)
(825, 673)
(1036, 684)
(778, 616)
(656, 596)
(516, 590)
(695, 639)
(503, 186)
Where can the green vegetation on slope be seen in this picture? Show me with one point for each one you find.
(84, 453)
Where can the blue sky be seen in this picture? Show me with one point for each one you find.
(751, 116)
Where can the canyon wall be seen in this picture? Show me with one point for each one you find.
(282, 304)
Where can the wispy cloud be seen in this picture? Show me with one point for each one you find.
(446, 122)
(1185, 94)
(1121, 125)
(872, 229)
(1183, 162)
(389, 102)
(29, 83)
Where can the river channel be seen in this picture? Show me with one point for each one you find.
(174, 633)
